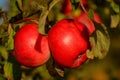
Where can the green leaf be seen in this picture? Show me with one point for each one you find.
(43, 72)
(43, 16)
(12, 70)
(3, 52)
(115, 7)
(13, 9)
(2, 77)
(8, 70)
(90, 14)
(100, 44)
(16, 70)
(10, 43)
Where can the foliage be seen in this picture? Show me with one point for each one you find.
(46, 13)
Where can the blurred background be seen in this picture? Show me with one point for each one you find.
(96, 69)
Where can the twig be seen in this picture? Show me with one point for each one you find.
(43, 16)
(82, 6)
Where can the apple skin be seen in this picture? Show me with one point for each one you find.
(97, 18)
(83, 18)
(68, 41)
(31, 48)
(85, 3)
(66, 7)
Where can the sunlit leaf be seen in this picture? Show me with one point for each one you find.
(8, 70)
(90, 54)
(3, 52)
(10, 43)
(115, 7)
(100, 44)
(115, 20)
(14, 10)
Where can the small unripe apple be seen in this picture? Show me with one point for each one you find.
(31, 48)
(68, 40)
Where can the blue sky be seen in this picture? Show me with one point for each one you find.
(4, 5)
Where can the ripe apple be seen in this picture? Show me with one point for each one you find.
(85, 4)
(31, 48)
(69, 40)
(66, 7)
(83, 18)
(97, 18)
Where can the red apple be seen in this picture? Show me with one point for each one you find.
(31, 48)
(66, 7)
(84, 19)
(97, 18)
(85, 4)
(69, 40)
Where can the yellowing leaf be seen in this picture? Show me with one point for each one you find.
(90, 54)
(3, 52)
(115, 20)
(102, 45)
(8, 70)
(99, 44)
(10, 43)
(115, 7)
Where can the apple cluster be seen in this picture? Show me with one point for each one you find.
(67, 42)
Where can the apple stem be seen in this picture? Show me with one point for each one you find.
(42, 21)
(81, 4)
(43, 16)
